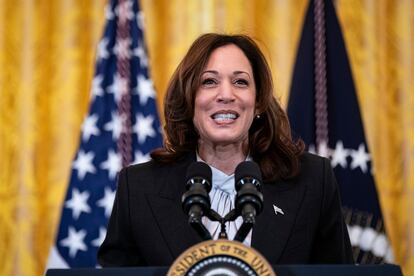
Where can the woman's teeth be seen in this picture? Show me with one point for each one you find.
(224, 116)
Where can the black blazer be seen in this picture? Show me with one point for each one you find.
(148, 227)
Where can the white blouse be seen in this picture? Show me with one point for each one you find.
(222, 197)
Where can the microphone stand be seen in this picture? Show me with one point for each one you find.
(214, 216)
(248, 222)
(195, 221)
(245, 228)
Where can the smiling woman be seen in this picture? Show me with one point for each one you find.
(224, 108)
(231, 72)
(220, 110)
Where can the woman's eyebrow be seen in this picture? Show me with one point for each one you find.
(234, 73)
(241, 72)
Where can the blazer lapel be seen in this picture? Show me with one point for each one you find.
(272, 230)
(166, 207)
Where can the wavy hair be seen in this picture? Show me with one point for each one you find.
(270, 140)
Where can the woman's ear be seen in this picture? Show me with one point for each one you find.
(257, 112)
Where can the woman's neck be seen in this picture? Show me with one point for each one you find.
(223, 157)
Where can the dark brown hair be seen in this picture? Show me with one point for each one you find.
(270, 140)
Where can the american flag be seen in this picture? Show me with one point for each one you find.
(323, 110)
(122, 127)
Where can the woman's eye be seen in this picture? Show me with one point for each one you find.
(209, 82)
(241, 82)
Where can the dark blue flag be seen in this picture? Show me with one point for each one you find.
(323, 111)
(122, 106)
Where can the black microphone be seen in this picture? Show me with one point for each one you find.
(196, 200)
(249, 199)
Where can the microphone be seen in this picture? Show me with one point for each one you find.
(196, 201)
(249, 199)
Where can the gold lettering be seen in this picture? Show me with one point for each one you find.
(225, 248)
(181, 267)
(188, 260)
(213, 248)
(240, 252)
(259, 266)
(204, 251)
(195, 255)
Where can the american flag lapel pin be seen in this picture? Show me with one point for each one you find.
(278, 210)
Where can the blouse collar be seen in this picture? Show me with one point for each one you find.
(221, 180)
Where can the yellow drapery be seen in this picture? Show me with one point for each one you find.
(380, 43)
(46, 67)
(47, 61)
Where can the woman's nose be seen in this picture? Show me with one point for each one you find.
(226, 92)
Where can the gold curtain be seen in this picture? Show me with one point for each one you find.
(47, 62)
(380, 41)
(46, 67)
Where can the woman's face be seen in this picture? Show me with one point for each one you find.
(225, 100)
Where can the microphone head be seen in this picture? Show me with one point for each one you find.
(250, 170)
(200, 171)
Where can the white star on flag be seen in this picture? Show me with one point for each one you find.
(103, 52)
(109, 14)
(141, 158)
(107, 201)
(323, 149)
(360, 158)
(143, 127)
(112, 164)
(140, 20)
(125, 8)
(83, 164)
(78, 203)
(339, 155)
(97, 89)
(142, 56)
(99, 240)
(121, 48)
(115, 125)
(119, 87)
(144, 89)
(89, 127)
(74, 241)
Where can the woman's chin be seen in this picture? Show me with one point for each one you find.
(226, 140)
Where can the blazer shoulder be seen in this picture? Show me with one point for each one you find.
(153, 166)
(152, 175)
(143, 177)
(314, 168)
(148, 167)
(310, 161)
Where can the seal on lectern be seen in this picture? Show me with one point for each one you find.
(220, 257)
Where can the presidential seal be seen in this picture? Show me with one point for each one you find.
(220, 257)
